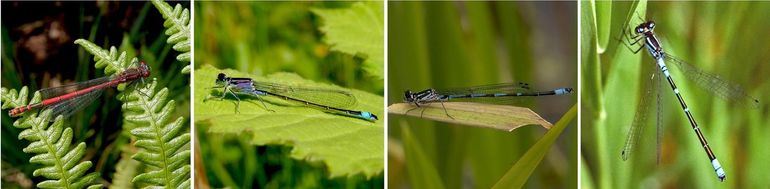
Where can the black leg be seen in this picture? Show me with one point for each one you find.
(633, 40)
(407, 111)
(447, 113)
(263, 103)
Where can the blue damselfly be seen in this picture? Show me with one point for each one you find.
(329, 100)
(486, 93)
(644, 37)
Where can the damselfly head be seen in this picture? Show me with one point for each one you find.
(408, 96)
(640, 28)
(144, 70)
(221, 79)
(645, 27)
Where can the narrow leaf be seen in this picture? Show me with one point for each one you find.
(422, 173)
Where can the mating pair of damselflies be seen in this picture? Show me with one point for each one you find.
(329, 100)
(643, 36)
(495, 93)
(69, 99)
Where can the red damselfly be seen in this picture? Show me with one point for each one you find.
(69, 99)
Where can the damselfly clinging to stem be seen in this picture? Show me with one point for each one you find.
(644, 37)
(490, 93)
(329, 100)
(69, 99)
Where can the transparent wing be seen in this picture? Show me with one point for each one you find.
(733, 93)
(64, 89)
(68, 107)
(324, 97)
(486, 89)
(508, 88)
(640, 118)
(658, 118)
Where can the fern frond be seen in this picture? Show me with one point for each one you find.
(12, 99)
(164, 145)
(178, 29)
(125, 170)
(51, 144)
(109, 60)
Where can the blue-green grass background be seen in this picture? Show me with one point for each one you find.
(461, 44)
(725, 38)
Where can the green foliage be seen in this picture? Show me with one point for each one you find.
(263, 37)
(358, 30)
(51, 143)
(346, 145)
(178, 28)
(165, 144)
(614, 80)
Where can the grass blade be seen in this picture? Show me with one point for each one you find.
(520, 172)
(422, 174)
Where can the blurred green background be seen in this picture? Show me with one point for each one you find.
(724, 38)
(263, 38)
(39, 52)
(462, 44)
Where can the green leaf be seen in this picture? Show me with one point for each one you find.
(502, 117)
(358, 29)
(347, 145)
(603, 23)
(178, 28)
(520, 172)
(590, 67)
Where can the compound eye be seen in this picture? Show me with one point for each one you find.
(651, 25)
(408, 95)
(221, 77)
(147, 70)
(639, 30)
